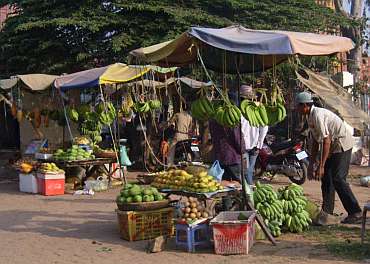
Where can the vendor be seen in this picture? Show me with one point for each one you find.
(228, 148)
(183, 125)
(331, 133)
(253, 136)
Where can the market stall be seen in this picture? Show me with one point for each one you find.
(237, 50)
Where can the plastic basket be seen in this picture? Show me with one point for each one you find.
(232, 236)
(144, 225)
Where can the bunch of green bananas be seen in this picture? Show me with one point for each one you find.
(202, 109)
(142, 107)
(261, 115)
(106, 117)
(274, 227)
(276, 113)
(155, 104)
(255, 114)
(269, 206)
(72, 114)
(228, 115)
(296, 218)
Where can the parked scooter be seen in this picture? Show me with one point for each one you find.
(287, 157)
(188, 150)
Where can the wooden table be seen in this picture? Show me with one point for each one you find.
(89, 165)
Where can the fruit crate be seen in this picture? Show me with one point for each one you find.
(232, 236)
(135, 225)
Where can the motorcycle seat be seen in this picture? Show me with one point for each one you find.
(275, 147)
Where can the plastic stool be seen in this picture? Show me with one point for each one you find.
(196, 235)
(363, 228)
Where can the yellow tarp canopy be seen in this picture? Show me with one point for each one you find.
(121, 73)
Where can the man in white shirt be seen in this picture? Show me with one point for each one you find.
(335, 138)
(253, 137)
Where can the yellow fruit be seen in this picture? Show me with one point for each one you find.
(210, 178)
(183, 173)
(193, 216)
(205, 180)
(194, 210)
(199, 214)
(186, 215)
(205, 215)
(187, 210)
(202, 174)
(193, 205)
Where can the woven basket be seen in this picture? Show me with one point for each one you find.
(145, 206)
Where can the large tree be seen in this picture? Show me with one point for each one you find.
(355, 30)
(55, 36)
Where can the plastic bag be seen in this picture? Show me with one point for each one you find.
(216, 171)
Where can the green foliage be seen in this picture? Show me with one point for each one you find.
(62, 36)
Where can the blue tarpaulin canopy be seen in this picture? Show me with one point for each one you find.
(238, 47)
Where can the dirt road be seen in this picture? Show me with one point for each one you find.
(79, 229)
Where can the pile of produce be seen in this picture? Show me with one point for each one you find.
(26, 167)
(82, 141)
(193, 211)
(49, 168)
(132, 193)
(294, 203)
(183, 181)
(282, 211)
(269, 206)
(72, 154)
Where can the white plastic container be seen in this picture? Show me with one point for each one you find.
(28, 183)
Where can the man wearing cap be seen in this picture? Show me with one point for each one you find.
(331, 133)
(253, 137)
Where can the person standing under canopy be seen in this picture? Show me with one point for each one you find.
(335, 138)
(253, 137)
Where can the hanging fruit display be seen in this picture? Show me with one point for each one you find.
(202, 109)
(142, 107)
(228, 115)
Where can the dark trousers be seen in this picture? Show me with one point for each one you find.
(335, 180)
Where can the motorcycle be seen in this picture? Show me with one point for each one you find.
(188, 150)
(287, 157)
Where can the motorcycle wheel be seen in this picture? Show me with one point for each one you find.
(302, 173)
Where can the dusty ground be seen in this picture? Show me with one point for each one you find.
(74, 229)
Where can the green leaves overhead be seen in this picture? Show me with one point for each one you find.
(63, 36)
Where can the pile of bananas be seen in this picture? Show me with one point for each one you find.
(155, 104)
(106, 116)
(50, 168)
(72, 114)
(269, 206)
(202, 109)
(228, 115)
(296, 218)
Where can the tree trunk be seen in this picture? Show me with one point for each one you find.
(354, 33)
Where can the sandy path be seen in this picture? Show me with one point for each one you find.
(72, 229)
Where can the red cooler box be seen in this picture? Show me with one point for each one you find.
(50, 184)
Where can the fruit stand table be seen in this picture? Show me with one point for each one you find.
(89, 164)
(209, 199)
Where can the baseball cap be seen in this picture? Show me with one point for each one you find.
(304, 98)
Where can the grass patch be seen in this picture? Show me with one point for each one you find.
(341, 241)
